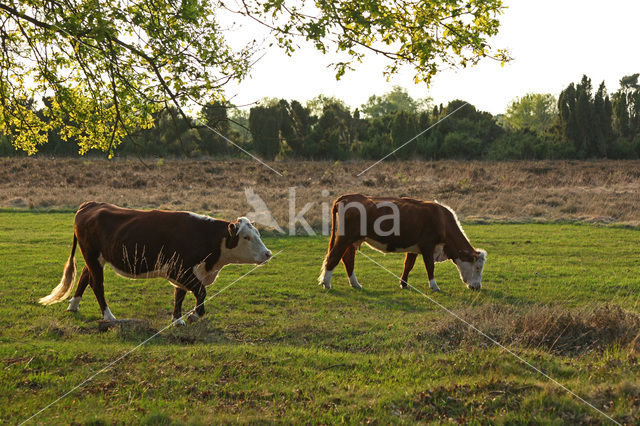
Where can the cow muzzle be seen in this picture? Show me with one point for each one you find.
(265, 257)
(475, 285)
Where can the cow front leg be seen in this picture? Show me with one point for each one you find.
(409, 261)
(429, 264)
(193, 284)
(178, 298)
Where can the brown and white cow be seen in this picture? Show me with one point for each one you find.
(187, 249)
(400, 225)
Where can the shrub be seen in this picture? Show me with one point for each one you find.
(461, 146)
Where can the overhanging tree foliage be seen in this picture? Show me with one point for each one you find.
(107, 67)
(427, 35)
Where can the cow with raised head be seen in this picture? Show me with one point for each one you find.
(400, 225)
(187, 249)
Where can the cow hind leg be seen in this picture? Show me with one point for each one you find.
(83, 282)
(409, 261)
(349, 260)
(96, 275)
(331, 261)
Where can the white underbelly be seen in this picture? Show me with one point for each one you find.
(382, 247)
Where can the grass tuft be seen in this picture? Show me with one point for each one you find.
(555, 329)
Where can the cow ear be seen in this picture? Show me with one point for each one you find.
(233, 229)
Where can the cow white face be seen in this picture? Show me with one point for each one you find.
(471, 270)
(244, 243)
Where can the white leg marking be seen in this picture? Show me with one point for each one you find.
(354, 281)
(433, 285)
(326, 280)
(73, 304)
(107, 315)
(178, 322)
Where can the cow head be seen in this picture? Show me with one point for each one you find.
(244, 244)
(470, 266)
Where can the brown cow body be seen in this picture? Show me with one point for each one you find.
(400, 225)
(185, 248)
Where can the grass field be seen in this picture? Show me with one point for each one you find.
(277, 347)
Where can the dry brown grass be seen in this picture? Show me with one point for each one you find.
(556, 329)
(599, 191)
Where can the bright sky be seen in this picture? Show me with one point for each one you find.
(553, 43)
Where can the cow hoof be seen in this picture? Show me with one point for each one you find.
(178, 322)
(193, 317)
(327, 286)
(435, 290)
(404, 287)
(107, 315)
(354, 281)
(73, 304)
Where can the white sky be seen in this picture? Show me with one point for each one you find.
(553, 43)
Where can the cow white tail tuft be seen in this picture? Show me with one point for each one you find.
(323, 271)
(63, 290)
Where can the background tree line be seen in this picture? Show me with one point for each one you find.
(580, 123)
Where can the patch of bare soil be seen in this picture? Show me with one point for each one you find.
(597, 191)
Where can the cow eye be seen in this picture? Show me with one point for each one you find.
(247, 238)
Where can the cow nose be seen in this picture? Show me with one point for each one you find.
(268, 254)
(475, 286)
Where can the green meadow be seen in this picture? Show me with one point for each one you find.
(276, 347)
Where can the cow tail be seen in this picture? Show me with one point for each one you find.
(63, 290)
(332, 241)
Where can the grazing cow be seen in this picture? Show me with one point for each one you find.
(400, 225)
(187, 249)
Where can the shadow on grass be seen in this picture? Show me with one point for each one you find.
(377, 297)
